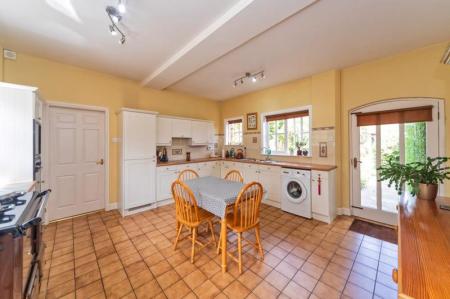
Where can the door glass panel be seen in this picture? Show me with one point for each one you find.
(368, 173)
(415, 145)
(390, 147)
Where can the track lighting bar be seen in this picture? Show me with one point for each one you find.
(249, 76)
(115, 16)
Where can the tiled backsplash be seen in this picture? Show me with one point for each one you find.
(252, 143)
(182, 145)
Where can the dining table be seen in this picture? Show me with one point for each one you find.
(214, 195)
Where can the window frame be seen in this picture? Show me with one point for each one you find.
(265, 132)
(226, 137)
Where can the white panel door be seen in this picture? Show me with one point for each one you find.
(139, 137)
(77, 152)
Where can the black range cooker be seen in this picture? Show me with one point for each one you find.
(21, 246)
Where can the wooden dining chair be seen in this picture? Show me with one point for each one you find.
(245, 217)
(187, 174)
(234, 175)
(189, 215)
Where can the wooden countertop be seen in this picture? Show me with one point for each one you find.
(303, 166)
(424, 249)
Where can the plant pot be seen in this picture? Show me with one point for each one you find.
(305, 153)
(299, 152)
(428, 191)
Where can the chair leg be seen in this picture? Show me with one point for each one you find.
(212, 232)
(218, 243)
(179, 229)
(258, 242)
(194, 236)
(240, 251)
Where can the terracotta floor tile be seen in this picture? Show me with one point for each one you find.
(236, 290)
(210, 268)
(306, 281)
(353, 291)
(286, 269)
(160, 268)
(385, 292)
(119, 289)
(266, 290)
(277, 279)
(148, 290)
(138, 279)
(207, 290)
(110, 268)
(365, 270)
(293, 290)
(312, 270)
(87, 278)
(333, 280)
(90, 290)
(168, 278)
(61, 290)
(196, 278)
(58, 279)
(326, 292)
(249, 279)
(177, 290)
(114, 278)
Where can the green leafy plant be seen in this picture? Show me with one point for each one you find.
(431, 171)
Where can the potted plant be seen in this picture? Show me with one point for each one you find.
(299, 145)
(422, 177)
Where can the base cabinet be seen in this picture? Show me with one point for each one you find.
(137, 179)
(323, 195)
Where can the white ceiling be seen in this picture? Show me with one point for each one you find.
(201, 46)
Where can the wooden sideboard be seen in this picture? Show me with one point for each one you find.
(424, 249)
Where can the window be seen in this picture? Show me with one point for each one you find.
(233, 131)
(284, 131)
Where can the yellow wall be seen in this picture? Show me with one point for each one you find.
(418, 73)
(66, 83)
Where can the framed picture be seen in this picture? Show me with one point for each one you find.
(323, 151)
(252, 121)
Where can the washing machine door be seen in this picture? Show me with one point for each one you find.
(295, 190)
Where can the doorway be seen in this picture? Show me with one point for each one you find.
(409, 130)
(77, 160)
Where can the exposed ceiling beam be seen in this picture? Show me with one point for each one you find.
(234, 28)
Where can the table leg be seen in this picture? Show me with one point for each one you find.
(223, 234)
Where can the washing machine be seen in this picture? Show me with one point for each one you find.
(296, 192)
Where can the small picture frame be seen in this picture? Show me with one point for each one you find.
(323, 150)
(252, 121)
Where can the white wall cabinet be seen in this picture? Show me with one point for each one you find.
(164, 131)
(200, 132)
(323, 195)
(181, 128)
(137, 160)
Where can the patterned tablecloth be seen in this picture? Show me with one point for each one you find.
(214, 194)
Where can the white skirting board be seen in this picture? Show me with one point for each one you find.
(343, 211)
(111, 206)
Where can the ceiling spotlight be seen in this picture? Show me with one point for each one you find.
(113, 14)
(249, 76)
(122, 40)
(122, 7)
(112, 30)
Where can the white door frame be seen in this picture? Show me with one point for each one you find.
(398, 104)
(46, 142)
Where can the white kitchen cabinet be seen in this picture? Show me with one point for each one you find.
(181, 128)
(138, 183)
(137, 130)
(165, 177)
(249, 171)
(270, 179)
(212, 138)
(323, 195)
(216, 166)
(200, 132)
(164, 131)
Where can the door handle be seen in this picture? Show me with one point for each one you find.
(355, 162)
(100, 162)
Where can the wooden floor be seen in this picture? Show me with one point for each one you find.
(105, 256)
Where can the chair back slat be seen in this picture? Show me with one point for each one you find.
(187, 174)
(246, 207)
(186, 207)
(234, 175)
